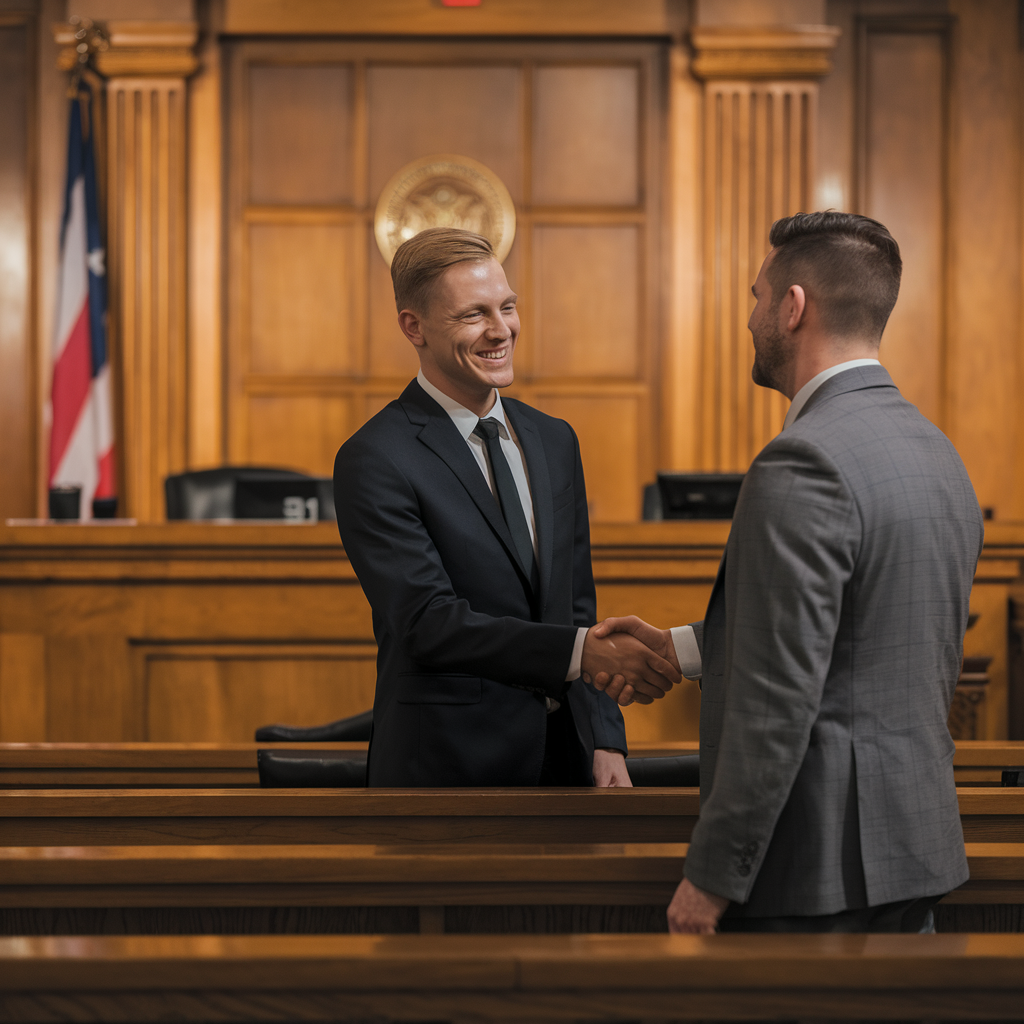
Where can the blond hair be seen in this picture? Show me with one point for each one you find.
(422, 259)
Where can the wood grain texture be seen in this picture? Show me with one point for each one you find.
(115, 603)
(403, 17)
(18, 420)
(147, 282)
(22, 686)
(511, 978)
(759, 145)
(905, 120)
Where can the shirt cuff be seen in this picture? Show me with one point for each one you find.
(577, 654)
(687, 651)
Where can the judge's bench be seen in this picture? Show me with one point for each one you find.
(202, 632)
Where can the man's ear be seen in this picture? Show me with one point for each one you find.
(412, 327)
(795, 306)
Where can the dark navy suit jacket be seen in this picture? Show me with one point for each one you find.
(467, 651)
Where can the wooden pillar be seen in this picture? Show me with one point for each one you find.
(758, 140)
(146, 65)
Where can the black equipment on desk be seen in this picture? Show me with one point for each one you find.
(698, 495)
(248, 492)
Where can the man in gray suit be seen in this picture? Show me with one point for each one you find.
(833, 639)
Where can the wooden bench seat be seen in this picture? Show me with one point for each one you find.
(220, 765)
(599, 978)
(358, 875)
(133, 817)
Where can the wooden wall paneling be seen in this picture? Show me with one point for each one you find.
(146, 245)
(680, 362)
(407, 101)
(758, 143)
(984, 350)
(301, 429)
(22, 687)
(222, 694)
(610, 425)
(206, 255)
(18, 412)
(902, 124)
(645, 18)
(586, 136)
(587, 303)
(301, 304)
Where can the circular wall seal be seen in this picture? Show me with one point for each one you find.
(444, 191)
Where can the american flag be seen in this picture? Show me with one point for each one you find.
(82, 433)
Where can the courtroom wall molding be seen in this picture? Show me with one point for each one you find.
(430, 18)
(783, 52)
(137, 49)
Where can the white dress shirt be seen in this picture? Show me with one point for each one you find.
(683, 638)
(465, 421)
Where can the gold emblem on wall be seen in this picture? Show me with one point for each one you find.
(444, 191)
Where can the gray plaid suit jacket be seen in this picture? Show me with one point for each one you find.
(831, 648)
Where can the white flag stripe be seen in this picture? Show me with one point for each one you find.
(73, 287)
(79, 467)
(102, 412)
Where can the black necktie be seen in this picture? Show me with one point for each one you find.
(508, 497)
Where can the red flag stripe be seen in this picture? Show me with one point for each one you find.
(72, 378)
(105, 486)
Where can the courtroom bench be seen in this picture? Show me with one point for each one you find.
(585, 978)
(133, 817)
(455, 888)
(223, 765)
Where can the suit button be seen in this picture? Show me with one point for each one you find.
(743, 870)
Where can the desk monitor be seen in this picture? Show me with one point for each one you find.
(269, 498)
(699, 495)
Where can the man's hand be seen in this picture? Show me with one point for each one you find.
(658, 640)
(647, 675)
(694, 911)
(610, 769)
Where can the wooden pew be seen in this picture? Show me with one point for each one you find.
(220, 765)
(433, 883)
(134, 817)
(590, 978)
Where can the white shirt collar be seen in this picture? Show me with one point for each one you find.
(464, 419)
(801, 397)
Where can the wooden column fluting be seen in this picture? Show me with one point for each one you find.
(146, 66)
(760, 110)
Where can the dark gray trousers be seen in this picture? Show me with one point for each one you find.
(904, 916)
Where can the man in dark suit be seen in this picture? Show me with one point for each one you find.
(465, 519)
(833, 638)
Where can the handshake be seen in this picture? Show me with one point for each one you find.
(630, 660)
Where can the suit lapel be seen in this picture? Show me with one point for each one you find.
(540, 490)
(442, 437)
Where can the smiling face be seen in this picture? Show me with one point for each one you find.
(467, 336)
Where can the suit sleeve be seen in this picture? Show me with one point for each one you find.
(793, 548)
(605, 717)
(405, 582)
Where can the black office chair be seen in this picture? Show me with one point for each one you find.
(311, 769)
(210, 493)
(354, 729)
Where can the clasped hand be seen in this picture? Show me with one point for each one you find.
(630, 660)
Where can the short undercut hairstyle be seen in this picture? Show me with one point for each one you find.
(849, 265)
(422, 259)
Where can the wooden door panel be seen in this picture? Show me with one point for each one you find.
(300, 142)
(224, 700)
(586, 143)
(905, 128)
(301, 301)
(302, 432)
(608, 427)
(419, 110)
(586, 295)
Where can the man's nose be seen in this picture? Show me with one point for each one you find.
(498, 329)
